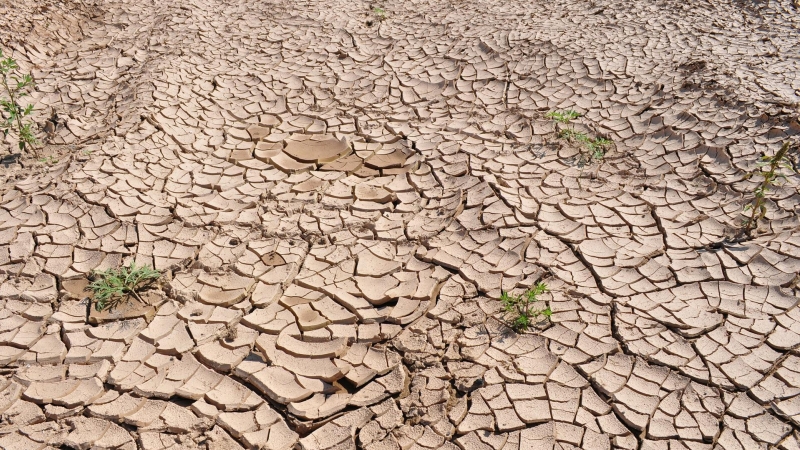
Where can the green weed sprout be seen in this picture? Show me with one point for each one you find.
(562, 116)
(113, 285)
(16, 87)
(768, 168)
(572, 135)
(522, 308)
(597, 147)
(380, 13)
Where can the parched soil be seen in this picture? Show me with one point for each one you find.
(337, 196)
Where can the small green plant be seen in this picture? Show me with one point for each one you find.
(572, 135)
(768, 167)
(597, 147)
(16, 87)
(564, 117)
(380, 13)
(523, 308)
(49, 160)
(111, 286)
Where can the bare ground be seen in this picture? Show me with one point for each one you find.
(337, 195)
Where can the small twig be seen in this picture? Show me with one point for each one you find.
(136, 294)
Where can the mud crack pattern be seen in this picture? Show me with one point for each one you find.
(338, 199)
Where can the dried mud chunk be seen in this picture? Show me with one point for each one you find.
(280, 385)
(221, 357)
(394, 159)
(199, 383)
(220, 440)
(320, 405)
(47, 392)
(316, 148)
(297, 347)
(339, 433)
(348, 164)
(118, 408)
(88, 432)
(374, 266)
(257, 132)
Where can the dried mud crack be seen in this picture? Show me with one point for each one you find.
(337, 194)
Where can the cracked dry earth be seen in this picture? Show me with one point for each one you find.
(336, 207)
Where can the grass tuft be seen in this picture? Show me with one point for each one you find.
(380, 13)
(522, 309)
(564, 117)
(596, 146)
(111, 286)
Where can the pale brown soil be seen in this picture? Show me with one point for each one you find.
(337, 198)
